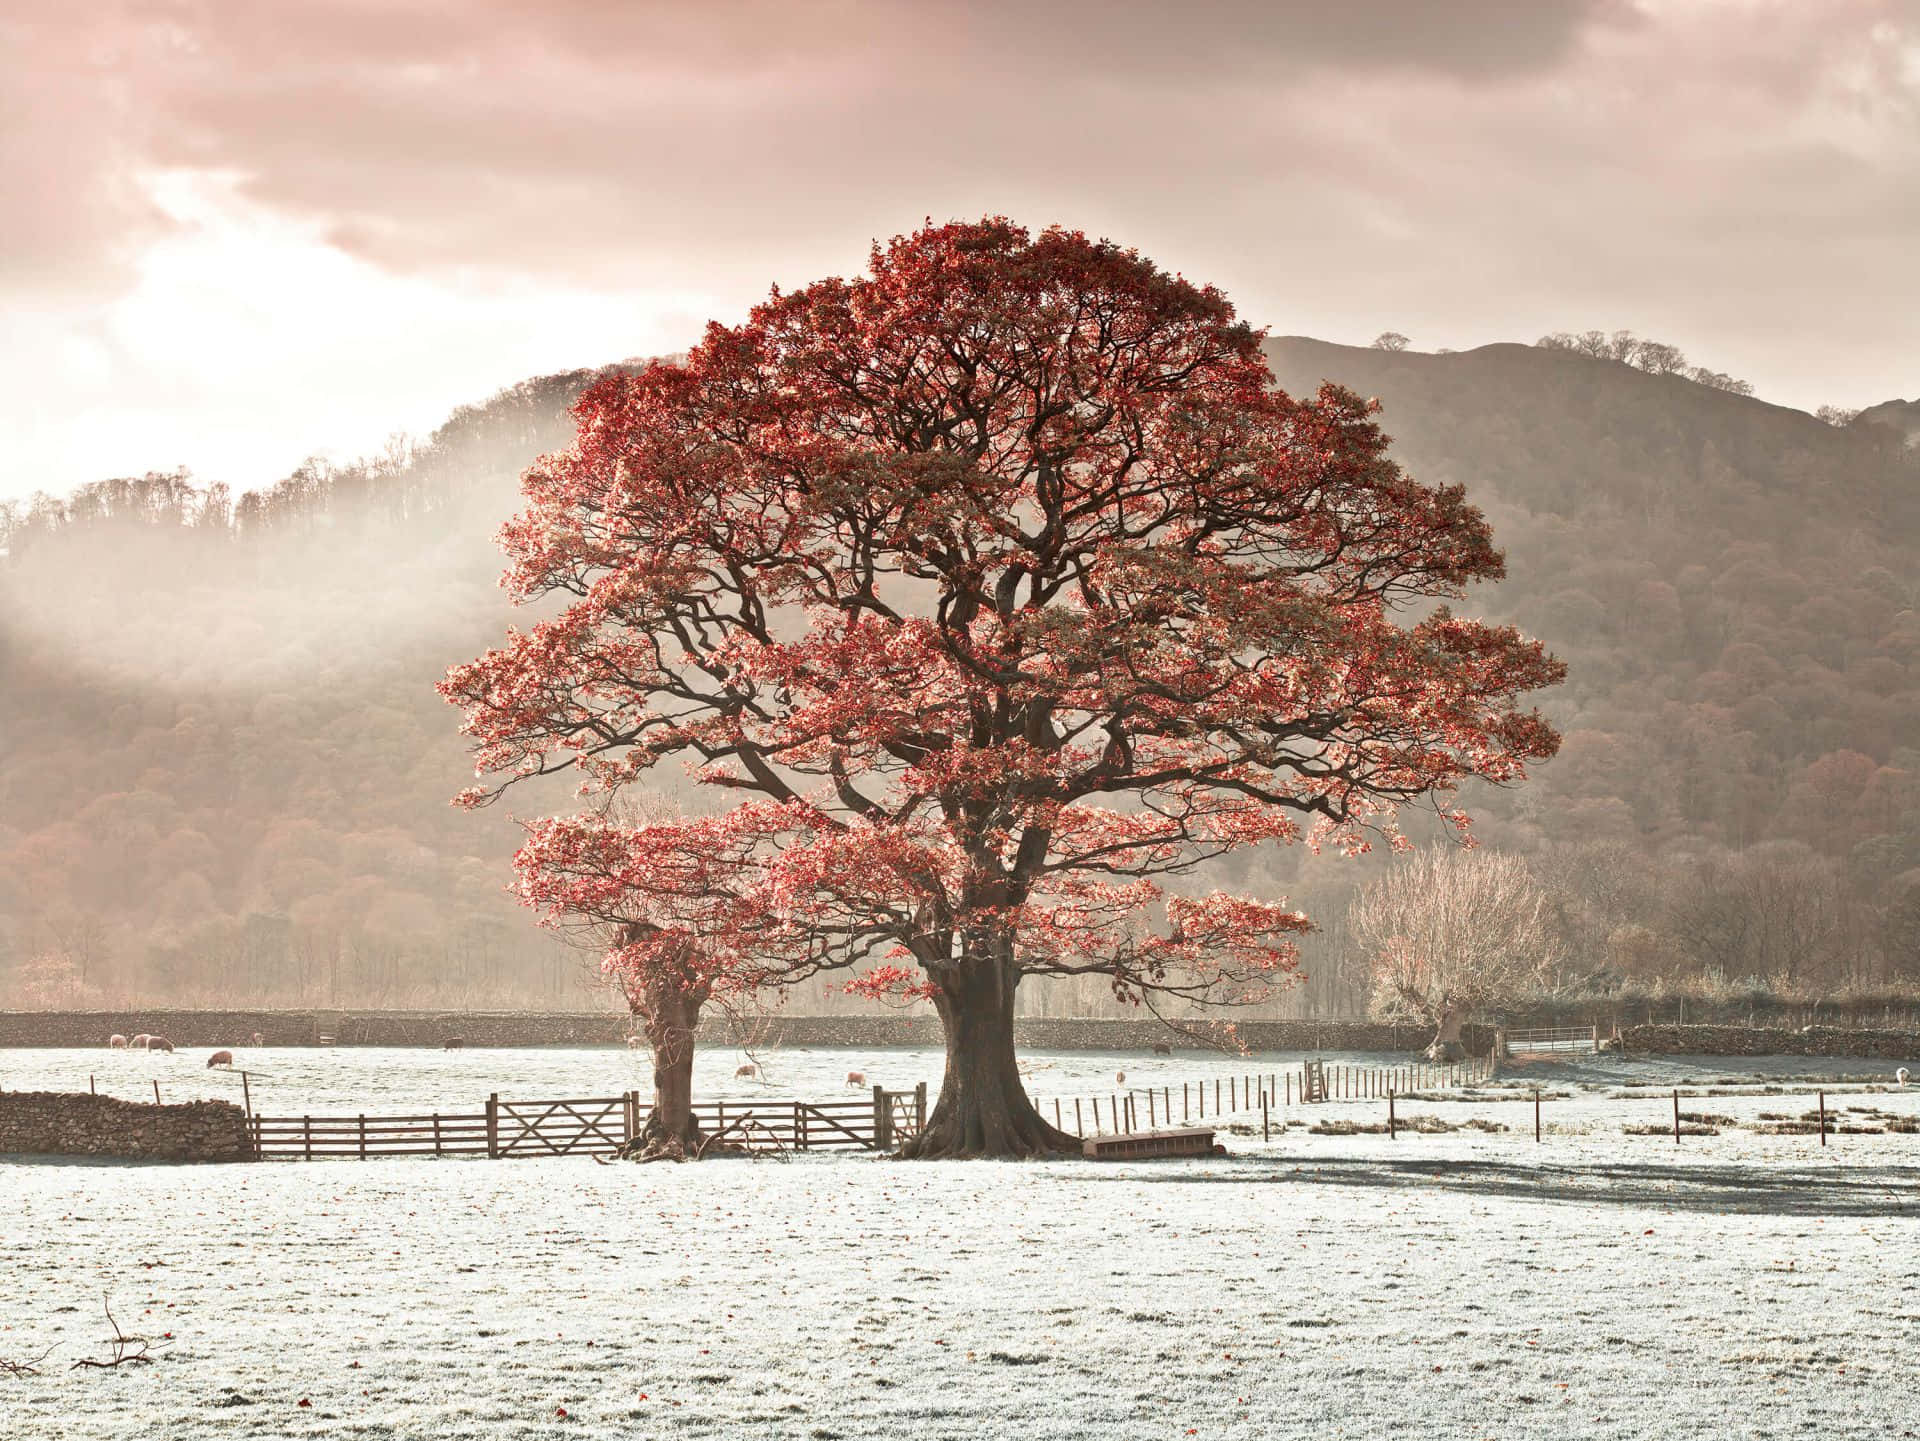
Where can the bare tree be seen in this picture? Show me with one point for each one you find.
(1390, 340)
(1450, 932)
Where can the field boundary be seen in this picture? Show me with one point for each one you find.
(505, 1129)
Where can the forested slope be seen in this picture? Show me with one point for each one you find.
(224, 772)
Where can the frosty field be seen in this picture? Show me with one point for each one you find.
(1468, 1284)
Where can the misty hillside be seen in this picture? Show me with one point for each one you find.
(224, 772)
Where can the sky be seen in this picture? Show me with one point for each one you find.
(241, 232)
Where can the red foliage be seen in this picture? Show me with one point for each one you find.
(1010, 586)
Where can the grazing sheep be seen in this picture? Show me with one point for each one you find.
(1900, 1076)
(1161, 1048)
(219, 1058)
(1119, 1078)
(117, 1043)
(856, 1078)
(140, 1042)
(748, 1071)
(454, 1043)
(159, 1043)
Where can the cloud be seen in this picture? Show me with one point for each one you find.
(590, 139)
(1739, 176)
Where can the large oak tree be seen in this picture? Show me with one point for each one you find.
(1004, 585)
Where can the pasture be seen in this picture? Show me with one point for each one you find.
(1459, 1283)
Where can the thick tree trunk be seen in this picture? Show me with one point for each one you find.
(983, 1108)
(670, 1019)
(1446, 1042)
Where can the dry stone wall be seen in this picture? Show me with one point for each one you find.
(61, 1123)
(212, 1029)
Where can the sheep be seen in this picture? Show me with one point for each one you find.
(116, 1042)
(1161, 1048)
(856, 1078)
(1119, 1078)
(139, 1042)
(748, 1071)
(1900, 1077)
(219, 1058)
(454, 1043)
(159, 1043)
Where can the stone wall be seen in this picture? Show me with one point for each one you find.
(211, 1029)
(1753, 1041)
(60, 1123)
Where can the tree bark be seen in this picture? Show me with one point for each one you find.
(1446, 1042)
(670, 1019)
(983, 1110)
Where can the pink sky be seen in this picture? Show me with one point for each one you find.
(238, 232)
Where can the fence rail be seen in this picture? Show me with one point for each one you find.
(1553, 1040)
(1130, 1109)
(592, 1126)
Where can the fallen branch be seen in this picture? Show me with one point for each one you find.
(24, 1368)
(124, 1353)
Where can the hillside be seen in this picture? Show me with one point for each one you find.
(224, 772)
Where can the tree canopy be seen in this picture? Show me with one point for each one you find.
(1005, 586)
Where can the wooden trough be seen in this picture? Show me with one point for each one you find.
(1138, 1145)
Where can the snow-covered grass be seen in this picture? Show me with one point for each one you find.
(397, 1080)
(1458, 1285)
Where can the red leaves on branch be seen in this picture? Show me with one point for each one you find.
(1006, 585)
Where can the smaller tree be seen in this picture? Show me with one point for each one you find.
(1449, 933)
(1390, 340)
(679, 934)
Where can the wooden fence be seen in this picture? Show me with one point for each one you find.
(593, 1126)
(1145, 1108)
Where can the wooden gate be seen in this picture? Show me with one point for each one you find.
(596, 1125)
(1313, 1081)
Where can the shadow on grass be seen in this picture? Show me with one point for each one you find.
(1729, 1189)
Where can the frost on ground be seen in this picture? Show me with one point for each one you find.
(1459, 1285)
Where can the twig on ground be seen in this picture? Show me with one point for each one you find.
(124, 1352)
(30, 1367)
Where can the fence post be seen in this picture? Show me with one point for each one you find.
(1266, 1131)
(1823, 1118)
(493, 1126)
(799, 1127)
(920, 1107)
(1536, 1116)
(1676, 1121)
(436, 1133)
(882, 1118)
(363, 1136)
(1058, 1124)
(246, 1092)
(156, 1093)
(306, 1132)
(1079, 1128)
(1393, 1133)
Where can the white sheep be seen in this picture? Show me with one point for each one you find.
(1900, 1077)
(117, 1042)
